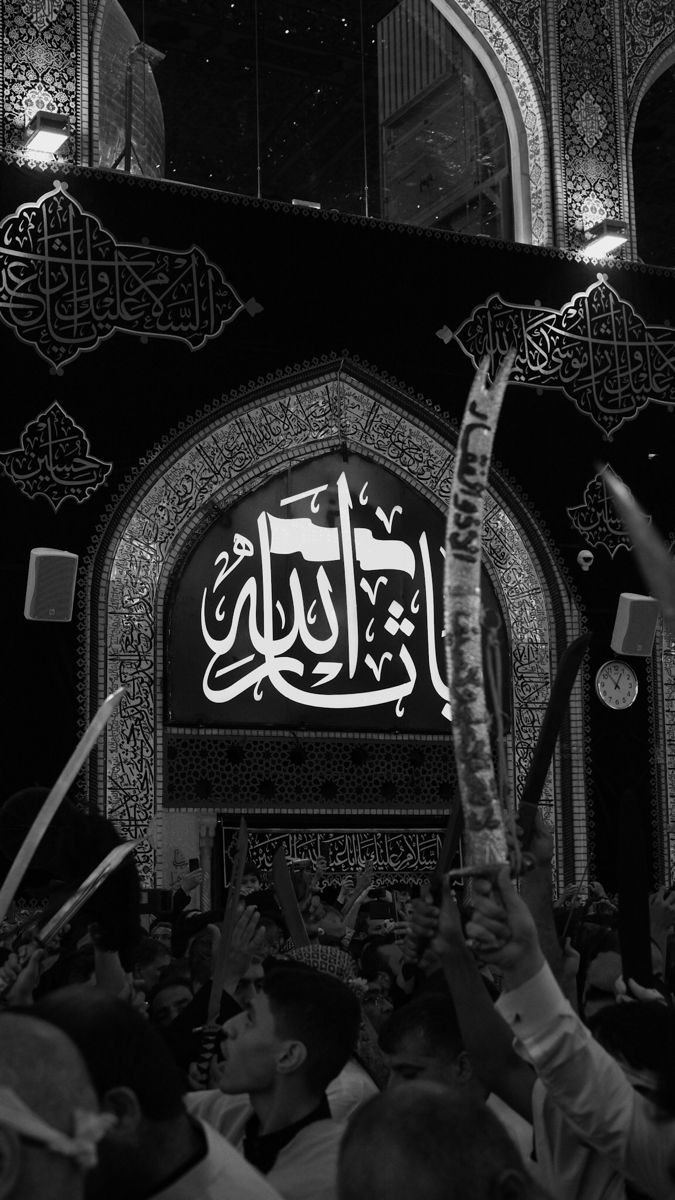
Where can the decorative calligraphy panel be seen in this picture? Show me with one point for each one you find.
(318, 597)
(597, 349)
(597, 520)
(53, 460)
(398, 855)
(67, 284)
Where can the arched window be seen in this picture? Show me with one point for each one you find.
(445, 144)
(654, 172)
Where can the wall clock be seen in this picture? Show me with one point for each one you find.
(616, 684)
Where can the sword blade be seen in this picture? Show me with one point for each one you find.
(229, 921)
(568, 668)
(49, 808)
(84, 892)
(288, 900)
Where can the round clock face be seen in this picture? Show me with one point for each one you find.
(616, 684)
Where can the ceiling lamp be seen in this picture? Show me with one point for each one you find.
(604, 238)
(46, 132)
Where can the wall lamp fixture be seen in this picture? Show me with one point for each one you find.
(604, 238)
(46, 132)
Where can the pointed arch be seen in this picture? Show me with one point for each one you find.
(232, 449)
(660, 61)
(519, 95)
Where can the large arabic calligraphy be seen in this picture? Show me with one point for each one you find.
(392, 852)
(66, 284)
(596, 348)
(323, 597)
(53, 460)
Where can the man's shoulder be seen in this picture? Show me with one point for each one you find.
(227, 1114)
(222, 1172)
(306, 1168)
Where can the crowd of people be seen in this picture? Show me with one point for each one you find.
(474, 1042)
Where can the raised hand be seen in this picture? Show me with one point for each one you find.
(248, 939)
(502, 929)
(192, 880)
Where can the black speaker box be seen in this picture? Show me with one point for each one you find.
(50, 588)
(635, 625)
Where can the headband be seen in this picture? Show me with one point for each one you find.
(89, 1129)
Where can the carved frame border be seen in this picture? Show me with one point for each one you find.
(219, 456)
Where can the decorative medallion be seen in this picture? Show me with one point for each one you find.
(597, 521)
(42, 13)
(596, 349)
(588, 119)
(68, 285)
(53, 460)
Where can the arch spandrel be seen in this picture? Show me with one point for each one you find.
(232, 450)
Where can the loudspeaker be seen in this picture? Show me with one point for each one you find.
(50, 589)
(635, 624)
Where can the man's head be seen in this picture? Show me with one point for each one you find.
(420, 1141)
(149, 959)
(331, 921)
(299, 1029)
(135, 1079)
(250, 880)
(172, 994)
(641, 1037)
(161, 930)
(41, 1069)
(422, 1041)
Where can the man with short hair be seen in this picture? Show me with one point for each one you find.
(425, 1142)
(155, 1149)
(49, 1122)
(422, 1041)
(278, 1058)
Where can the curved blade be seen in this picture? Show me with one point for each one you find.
(48, 811)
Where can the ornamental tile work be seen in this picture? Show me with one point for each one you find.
(222, 457)
(593, 167)
(524, 19)
(39, 49)
(647, 23)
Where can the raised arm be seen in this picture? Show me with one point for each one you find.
(486, 1036)
(585, 1082)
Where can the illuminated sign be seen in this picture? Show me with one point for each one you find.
(315, 603)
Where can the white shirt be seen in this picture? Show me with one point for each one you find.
(305, 1169)
(593, 1130)
(223, 1172)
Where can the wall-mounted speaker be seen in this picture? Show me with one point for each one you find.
(50, 588)
(635, 624)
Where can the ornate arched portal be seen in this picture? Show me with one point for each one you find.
(204, 469)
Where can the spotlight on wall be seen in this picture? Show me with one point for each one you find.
(604, 238)
(46, 132)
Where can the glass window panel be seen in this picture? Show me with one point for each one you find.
(654, 172)
(299, 101)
